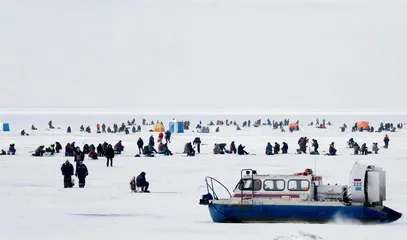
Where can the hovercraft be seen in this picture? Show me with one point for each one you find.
(302, 197)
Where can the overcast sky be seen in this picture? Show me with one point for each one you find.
(202, 55)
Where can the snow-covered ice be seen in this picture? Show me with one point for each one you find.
(34, 205)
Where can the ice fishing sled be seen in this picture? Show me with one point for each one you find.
(301, 197)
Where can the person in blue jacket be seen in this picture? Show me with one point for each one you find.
(151, 141)
(269, 149)
(12, 149)
(142, 182)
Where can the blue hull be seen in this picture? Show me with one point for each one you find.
(298, 213)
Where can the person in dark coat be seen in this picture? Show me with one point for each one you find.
(39, 152)
(232, 148)
(81, 173)
(67, 171)
(12, 149)
(284, 149)
(109, 155)
(151, 141)
(386, 141)
(78, 157)
(241, 151)
(167, 136)
(197, 142)
(189, 150)
(315, 145)
(86, 149)
(100, 151)
(142, 182)
(58, 147)
(147, 152)
(269, 149)
(332, 149)
(68, 150)
(276, 148)
(140, 145)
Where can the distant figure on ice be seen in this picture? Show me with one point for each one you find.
(81, 173)
(197, 142)
(276, 148)
(189, 150)
(142, 182)
(332, 149)
(11, 149)
(67, 171)
(315, 145)
(284, 149)
(140, 145)
(50, 125)
(241, 151)
(109, 155)
(269, 149)
(386, 141)
(375, 148)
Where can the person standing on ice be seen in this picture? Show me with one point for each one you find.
(109, 155)
(142, 182)
(197, 142)
(151, 141)
(67, 172)
(81, 173)
(140, 145)
(78, 156)
(386, 141)
(167, 136)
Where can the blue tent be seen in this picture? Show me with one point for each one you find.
(176, 126)
(6, 127)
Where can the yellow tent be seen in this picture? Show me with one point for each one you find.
(158, 127)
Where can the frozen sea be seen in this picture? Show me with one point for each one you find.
(34, 204)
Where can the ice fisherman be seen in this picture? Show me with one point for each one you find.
(67, 171)
(142, 182)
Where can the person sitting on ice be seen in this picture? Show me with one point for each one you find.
(189, 149)
(88, 130)
(219, 148)
(39, 152)
(147, 151)
(356, 148)
(68, 130)
(284, 149)
(50, 149)
(58, 147)
(23, 133)
(364, 150)
(82, 128)
(92, 155)
(85, 149)
(276, 148)
(11, 149)
(375, 148)
(142, 183)
(33, 128)
(241, 151)
(118, 148)
(165, 150)
(50, 125)
(351, 142)
(3, 152)
(332, 149)
(269, 149)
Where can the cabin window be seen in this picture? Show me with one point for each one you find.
(247, 184)
(298, 185)
(274, 185)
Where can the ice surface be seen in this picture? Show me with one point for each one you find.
(34, 205)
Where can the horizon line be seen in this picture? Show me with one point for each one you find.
(191, 112)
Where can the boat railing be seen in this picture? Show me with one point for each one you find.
(211, 189)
